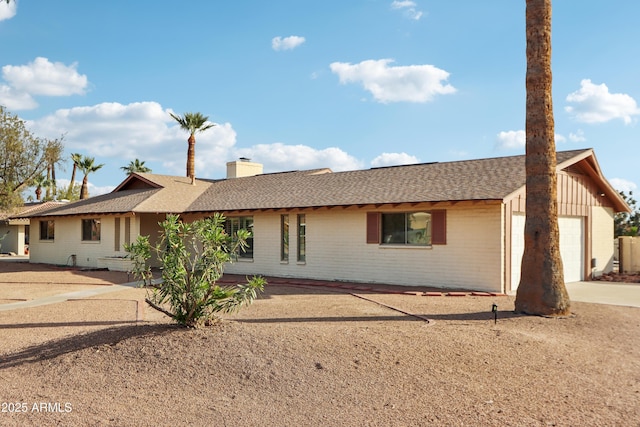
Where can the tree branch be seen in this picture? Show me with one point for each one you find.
(160, 309)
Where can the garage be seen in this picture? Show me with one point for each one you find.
(571, 247)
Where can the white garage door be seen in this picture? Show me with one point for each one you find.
(571, 247)
(517, 248)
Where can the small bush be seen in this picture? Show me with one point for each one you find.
(193, 256)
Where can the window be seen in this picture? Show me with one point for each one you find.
(284, 238)
(302, 238)
(91, 230)
(47, 230)
(232, 225)
(407, 228)
(116, 235)
(127, 231)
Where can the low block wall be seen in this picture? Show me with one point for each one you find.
(115, 263)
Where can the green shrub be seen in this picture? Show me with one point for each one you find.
(193, 256)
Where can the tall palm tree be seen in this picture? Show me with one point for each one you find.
(541, 290)
(53, 157)
(48, 188)
(192, 123)
(75, 158)
(40, 181)
(87, 165)
(135, 166)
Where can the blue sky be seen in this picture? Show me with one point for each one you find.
(305, 84)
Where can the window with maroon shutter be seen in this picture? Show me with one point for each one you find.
(407, 228)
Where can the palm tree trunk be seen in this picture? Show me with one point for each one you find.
(73, 178)
(84, 190)
(54, 186)
(48, 189)
(541, 290)
(191, 158)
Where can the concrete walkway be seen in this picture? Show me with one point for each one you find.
(53, 299)
(613, 293)
(625, 294)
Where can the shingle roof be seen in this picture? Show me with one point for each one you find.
(484, 179)
(148, 193)
(29, 209)
(176, 195)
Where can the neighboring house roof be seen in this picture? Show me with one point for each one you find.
(29, 209)
(469, 180)
(139, 193)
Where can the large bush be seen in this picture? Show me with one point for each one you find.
(193, 256)
(627, 223)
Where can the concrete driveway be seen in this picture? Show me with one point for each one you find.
(614, 293)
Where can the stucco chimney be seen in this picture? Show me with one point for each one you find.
(243, 167)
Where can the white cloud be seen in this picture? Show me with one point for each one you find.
(409, 8)
(515, 139)
(40, 77)
(142, 130)
(511, 139)
(400, 4)
(577, 137)
(108, 129)
(278, 157)
(8, 11)
(117, 133)
(286, 43)
(214, 148)
(391, 159)
(93, 189)
(412, 83)
(16, 100)
(623, 184)
(594, 104)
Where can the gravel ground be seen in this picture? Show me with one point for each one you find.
(308, 356)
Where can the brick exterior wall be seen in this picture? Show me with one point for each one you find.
(68, 241)
(337, 250)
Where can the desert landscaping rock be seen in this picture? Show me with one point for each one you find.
(310, 355)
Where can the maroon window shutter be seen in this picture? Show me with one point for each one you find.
(373, 227)
(439, 227)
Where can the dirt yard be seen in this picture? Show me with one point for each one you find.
(306, 355)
